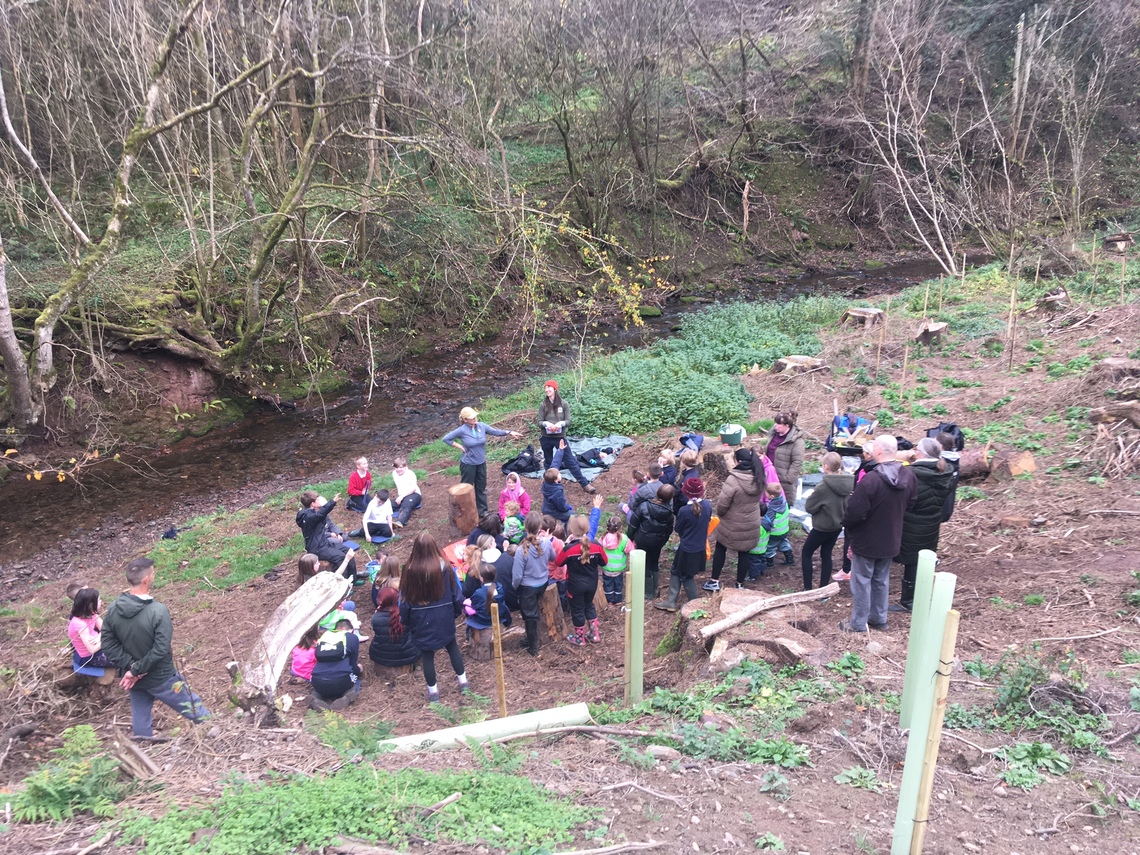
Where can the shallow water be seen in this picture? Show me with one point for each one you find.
(284, 450)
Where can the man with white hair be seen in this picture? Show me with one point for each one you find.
(873, 522)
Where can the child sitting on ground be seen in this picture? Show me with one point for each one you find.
(514, 492)
(617, 547)
(391, 646)
(84, 630)
(514, 523)
(359, 486)
(336, 674)
(626, 507)
(470, 571)
(305, 654)
(554, 496)
(388, 576)
(377, 521)
(777, 522)
(478, 604)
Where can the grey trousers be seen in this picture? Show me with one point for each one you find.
(870, 584)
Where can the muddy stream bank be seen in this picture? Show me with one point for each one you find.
(47, 527)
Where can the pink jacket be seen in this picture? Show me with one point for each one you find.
(770, 475)
(517, 495)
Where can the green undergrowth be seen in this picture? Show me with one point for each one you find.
(352, 740)
(284, 815)
(1034, 692)
(208, 550)
(754, 700)
(79, 778)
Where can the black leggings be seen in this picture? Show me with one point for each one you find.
(582, 605)
(743, 562)
(428, 660)
(824, 541)
(652, 558)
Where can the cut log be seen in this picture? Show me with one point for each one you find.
(551, 620)
(256, 682)
(390, 674)
(930, 332)
(1055, 300)
(864, 317)
(744, 614)
(1122, 411)
(461, 506)
(1009, 464)
(791, 365)
(975, 462)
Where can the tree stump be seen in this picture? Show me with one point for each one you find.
(1111, 413)
(480, 644)
(551, 620)
(930, 332)
(390, 674)
(864, 317)
(974, 462)
(461, 507)
(789, 366)
(1008, 464)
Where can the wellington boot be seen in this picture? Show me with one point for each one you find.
(578, 636)
(531, 641)
(594, 636)
(651, 583)
(669, 604)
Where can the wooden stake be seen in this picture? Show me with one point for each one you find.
(1123, 268)
(882, 335)
(902, 382)
(926, 300)
(963, 270)
(940, 293)
(497, 641)
(1092, 293)
(934, 736)
(1009, 322)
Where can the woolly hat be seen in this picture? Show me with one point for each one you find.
(693, 488)
(553, 383)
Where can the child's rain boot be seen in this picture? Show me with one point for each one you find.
(578, 636)
(594, 637)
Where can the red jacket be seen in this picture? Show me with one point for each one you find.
(358, 486)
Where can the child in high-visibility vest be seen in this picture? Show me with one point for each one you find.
(617, 547)
(758, 561)
(777, 522)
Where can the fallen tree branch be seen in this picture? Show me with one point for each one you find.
(578, 728)
(766, 604)
(1081, 637)
(638, 786)
(620, 847)
(1104, 511)
(440, 805)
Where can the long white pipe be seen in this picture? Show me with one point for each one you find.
(485, 731)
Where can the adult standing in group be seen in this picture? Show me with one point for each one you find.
(553, 424)
(785, 449)
(874, 523)
(738, 507)
(137, 635)
(471, 438)
(922, 523)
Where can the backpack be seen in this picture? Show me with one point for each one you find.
(524, 463)
(952, 429)
(592, 457)
(332, 646)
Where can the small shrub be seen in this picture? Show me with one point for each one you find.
(849, 665)
(861, 778)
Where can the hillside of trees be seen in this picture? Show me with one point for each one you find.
(272, 191)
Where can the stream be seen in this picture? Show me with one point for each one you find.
(269, 452)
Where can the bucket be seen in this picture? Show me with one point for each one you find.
(732, 434)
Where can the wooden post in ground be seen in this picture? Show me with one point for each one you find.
(461, 506)
(926, 300)
(1009, 323)
(963, 271)
(497, 630)
(902, 380)
(882, 335)
(934, 737)
(1092, 293)
(1123, 268)
(940, 293)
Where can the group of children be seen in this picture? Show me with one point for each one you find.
(384, 511)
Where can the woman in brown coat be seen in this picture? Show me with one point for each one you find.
(738, 507)
(785, 448)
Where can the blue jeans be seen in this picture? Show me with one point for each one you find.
(777, 544)
(614, 588)
(175, 693)
(870, 583)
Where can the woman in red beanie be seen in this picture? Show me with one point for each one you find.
(553, 421)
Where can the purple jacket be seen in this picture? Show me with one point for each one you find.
(874, 516)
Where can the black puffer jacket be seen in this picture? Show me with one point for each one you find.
(384, 651)
(652, 524)
(923, 520)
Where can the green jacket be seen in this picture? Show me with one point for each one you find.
(137, 634)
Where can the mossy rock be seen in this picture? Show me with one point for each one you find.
(873, 264)
(649, 311)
